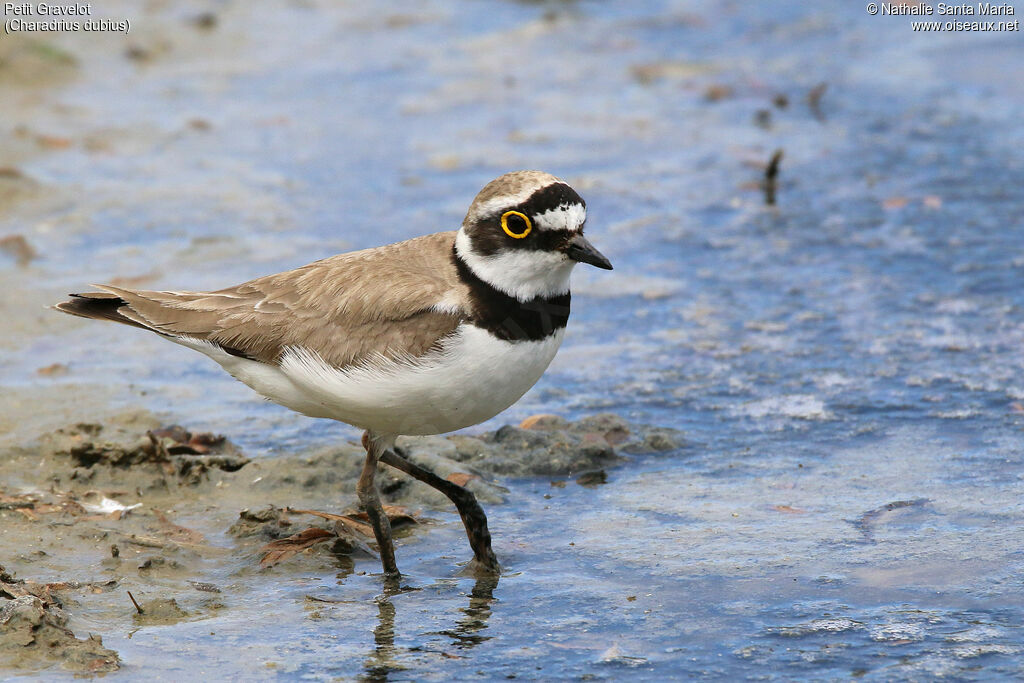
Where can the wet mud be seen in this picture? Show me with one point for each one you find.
(34, 637)
(101, 506)
(815, 219)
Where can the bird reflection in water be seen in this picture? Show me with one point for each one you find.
(466, 634)
(381, 661)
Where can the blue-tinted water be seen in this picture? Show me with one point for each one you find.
(856, 345)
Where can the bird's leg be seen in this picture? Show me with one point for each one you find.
(473, 517)
(368, 496)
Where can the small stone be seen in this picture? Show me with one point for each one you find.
(161, 611)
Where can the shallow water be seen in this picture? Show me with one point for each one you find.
(855, 346)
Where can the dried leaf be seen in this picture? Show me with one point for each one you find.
(461, 478)
(283, 548)
(63, 585)
(895, 202)
(185, 442)
(398, 516)
(358, 521)
(18, 501)
(788, 509)
(206, 440)
(325, 515)
(541, 421)
(349, 524)
(172, 432)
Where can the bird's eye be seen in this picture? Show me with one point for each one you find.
(516, 225)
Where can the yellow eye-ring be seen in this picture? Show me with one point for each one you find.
(518, 220)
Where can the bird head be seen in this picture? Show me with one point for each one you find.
(523, 234)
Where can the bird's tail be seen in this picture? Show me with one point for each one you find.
(98, 306)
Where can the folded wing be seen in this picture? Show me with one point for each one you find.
(399, 300)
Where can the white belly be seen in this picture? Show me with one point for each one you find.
(471, 379)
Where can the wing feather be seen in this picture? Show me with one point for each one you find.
(394, 300)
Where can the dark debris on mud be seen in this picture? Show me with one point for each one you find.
(172, 453)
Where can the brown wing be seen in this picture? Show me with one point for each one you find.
(345, 308)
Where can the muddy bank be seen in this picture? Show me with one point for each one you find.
(33, 628)
(94, 511)
(142, 463)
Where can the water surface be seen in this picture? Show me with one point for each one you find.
(854, 347)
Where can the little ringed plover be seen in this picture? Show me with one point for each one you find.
(424, 336)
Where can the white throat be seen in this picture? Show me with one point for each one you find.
(523, 274)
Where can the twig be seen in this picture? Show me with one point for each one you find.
(771, 175)
(135, 603)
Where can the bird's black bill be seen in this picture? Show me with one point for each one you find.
(583, 251)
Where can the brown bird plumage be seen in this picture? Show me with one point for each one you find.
(420, 337)
(347, 307)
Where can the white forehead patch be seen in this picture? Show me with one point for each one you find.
(564, 217)
(496, 204)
